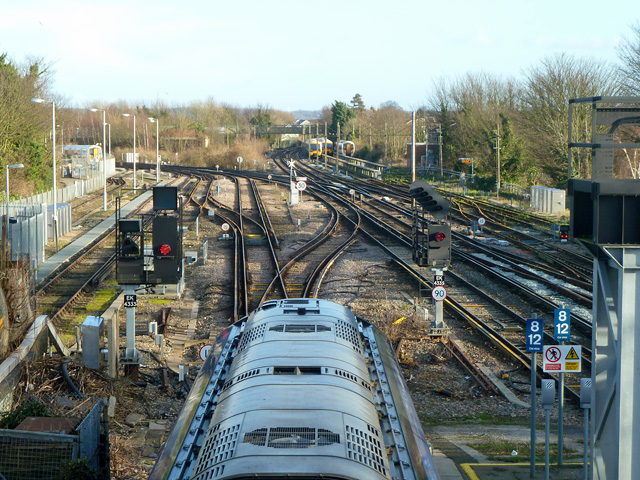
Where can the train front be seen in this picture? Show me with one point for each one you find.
(300, 389)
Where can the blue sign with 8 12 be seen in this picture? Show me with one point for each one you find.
(561, 324)
(534, 335)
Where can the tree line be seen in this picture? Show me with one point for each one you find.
(473, 114)
(526, 118)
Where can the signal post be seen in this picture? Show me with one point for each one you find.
(138, 268)
(432, 243)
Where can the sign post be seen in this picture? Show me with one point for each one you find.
(534, 344)
(562, 333)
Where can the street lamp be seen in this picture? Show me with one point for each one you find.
(134, 148)
(104, 161)
(157, 122)
(55, 189)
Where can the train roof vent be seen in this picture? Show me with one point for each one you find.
(300, 310)
(250, 335)
(348, 332)
(299, 328)
(364, 448)
(219, 445)
(291, 437)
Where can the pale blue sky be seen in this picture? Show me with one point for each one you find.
(297, 54)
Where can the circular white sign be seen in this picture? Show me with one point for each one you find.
(225, 227)
(204, 351)
(269, 177)
(481, 221)
(239, 159)
(352, 192)
(301, 186)
(439, 293)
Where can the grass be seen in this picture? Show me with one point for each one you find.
(501, 451)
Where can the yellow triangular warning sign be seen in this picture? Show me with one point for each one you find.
(572, 355)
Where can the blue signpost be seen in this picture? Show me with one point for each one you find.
(562, 333)
(561, 324)
(534, 343)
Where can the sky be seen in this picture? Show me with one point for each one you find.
(296, 54)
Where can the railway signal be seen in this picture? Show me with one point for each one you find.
(430, 200)
(439, 245)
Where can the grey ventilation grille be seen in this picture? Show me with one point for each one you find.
(251, 335)
(220, 445)
(299, 328)
(364, 448)
(353, 378)
(291, 437)
(239, 378)
(349, 333)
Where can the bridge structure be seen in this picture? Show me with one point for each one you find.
(604, 219)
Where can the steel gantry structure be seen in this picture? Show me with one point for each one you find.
(604, 217)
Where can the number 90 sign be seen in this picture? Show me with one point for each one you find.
(439, 293)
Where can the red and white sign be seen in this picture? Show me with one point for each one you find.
(300, 186)
(439, 293)
(204, 351)
(562, 358)
(225, 227)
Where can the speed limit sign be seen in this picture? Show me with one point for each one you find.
(439, 293)
(301, 186)
(225, 227)
(481, 221)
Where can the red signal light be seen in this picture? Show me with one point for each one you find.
(165, 249)
(440, 236)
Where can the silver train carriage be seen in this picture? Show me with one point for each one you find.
(299, 389)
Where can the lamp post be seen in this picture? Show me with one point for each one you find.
(157, 122)
(55, 188)
(134, 149)
(104, 161)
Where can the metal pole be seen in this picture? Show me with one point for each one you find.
(585, 443)
(134, 154)
(532, 454)
(546, 443)
(104, 159)
(325, 152)
(498, 161)
(55, 188)
(413, 147)
(560, 415)
(157, 151)
(440, 147)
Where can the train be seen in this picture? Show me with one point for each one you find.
(346, 148)
(319, 146)
(300, 388)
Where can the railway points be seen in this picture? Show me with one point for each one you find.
(279, 221)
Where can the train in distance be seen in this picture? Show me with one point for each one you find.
(301, 388)
(319, 146)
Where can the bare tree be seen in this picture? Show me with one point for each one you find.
(629, 54)
(546, 93)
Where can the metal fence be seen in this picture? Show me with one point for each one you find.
(26, 455)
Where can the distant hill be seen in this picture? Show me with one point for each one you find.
(306, 114)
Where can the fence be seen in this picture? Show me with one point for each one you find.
(548, 200)
(26, 455)
(31, 219)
